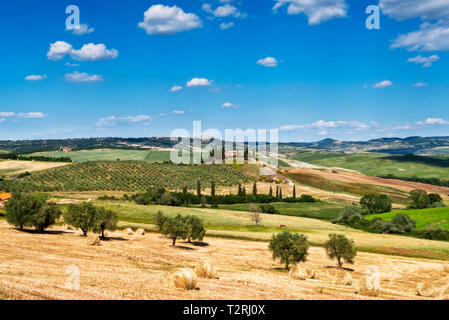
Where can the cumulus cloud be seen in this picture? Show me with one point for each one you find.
(35, 77)
(59, 50)
(433, 121)
(165, 20)
(89, 52)
(114, 121)
(199, 82)
(268, 62)
(383, 84)
(224, 25)
(420, 85)
(176, 88)
(32, 115)
(224, 11)
(83, 29)
(317, 11)
(425, 61)
(83, 77)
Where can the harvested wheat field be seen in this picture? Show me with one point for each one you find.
(38, 266)
(13, 167)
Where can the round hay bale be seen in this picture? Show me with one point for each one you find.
(128, 232)
(343, 278)
(205, 269)
(446, 268)
(67, 227)
(93, 240)
(140, 232)
(368, 286)
(426, 289)
(183, 279)
(298, 273)
(311, 274)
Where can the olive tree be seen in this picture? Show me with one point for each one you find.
(104, 220)
(290, 248)
(81, 216)
(340, 247)
(175, 228)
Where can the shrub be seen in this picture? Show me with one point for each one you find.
(435, 198)
(401, 223)
(268, 208)
(350, 216)
(81, 216)
(290, 248)
(340, 247)
(45, 217)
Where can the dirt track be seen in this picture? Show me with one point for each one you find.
(34, 266)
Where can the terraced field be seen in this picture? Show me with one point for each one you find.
(124, 176)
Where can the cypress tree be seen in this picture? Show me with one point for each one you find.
(271, 192)
(239, 193)
(212, 190)
(184, 190)
(244, 192)
(277, 192)
(280, 193)
(255, 189)
(294, 192)
(198, 188)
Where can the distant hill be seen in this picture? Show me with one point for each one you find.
(411, 145)
(415, 145)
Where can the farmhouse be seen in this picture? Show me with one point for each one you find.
(3, 198)
(65, 149)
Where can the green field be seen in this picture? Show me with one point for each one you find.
(378, 164)
(110, 155)
(129, 176)
(316, 210)
(422, 217)
(238, 224)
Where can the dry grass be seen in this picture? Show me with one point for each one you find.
(14, 167)
(33, 266)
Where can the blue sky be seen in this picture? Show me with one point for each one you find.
(311, 69)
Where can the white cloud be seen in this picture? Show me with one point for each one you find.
(224, 11)
(324, 125)
(228, 105)
(425, 61)
(420, 85)
(83, 77)
(403, 127)
(83, 29)
(317, 11)
(35, 77)
(113, 120)
(160, 19)
(406, 9)
(383, 84)
(89, 52)
(176, 88)
(430, 37)
(224, 25)
(59, 50)
(32, 115)
(177, 112)
(433, 121)
(268, 62)
(68, 64)
(199, 82)
(93, 52)
(7, 114)
(323, 133)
